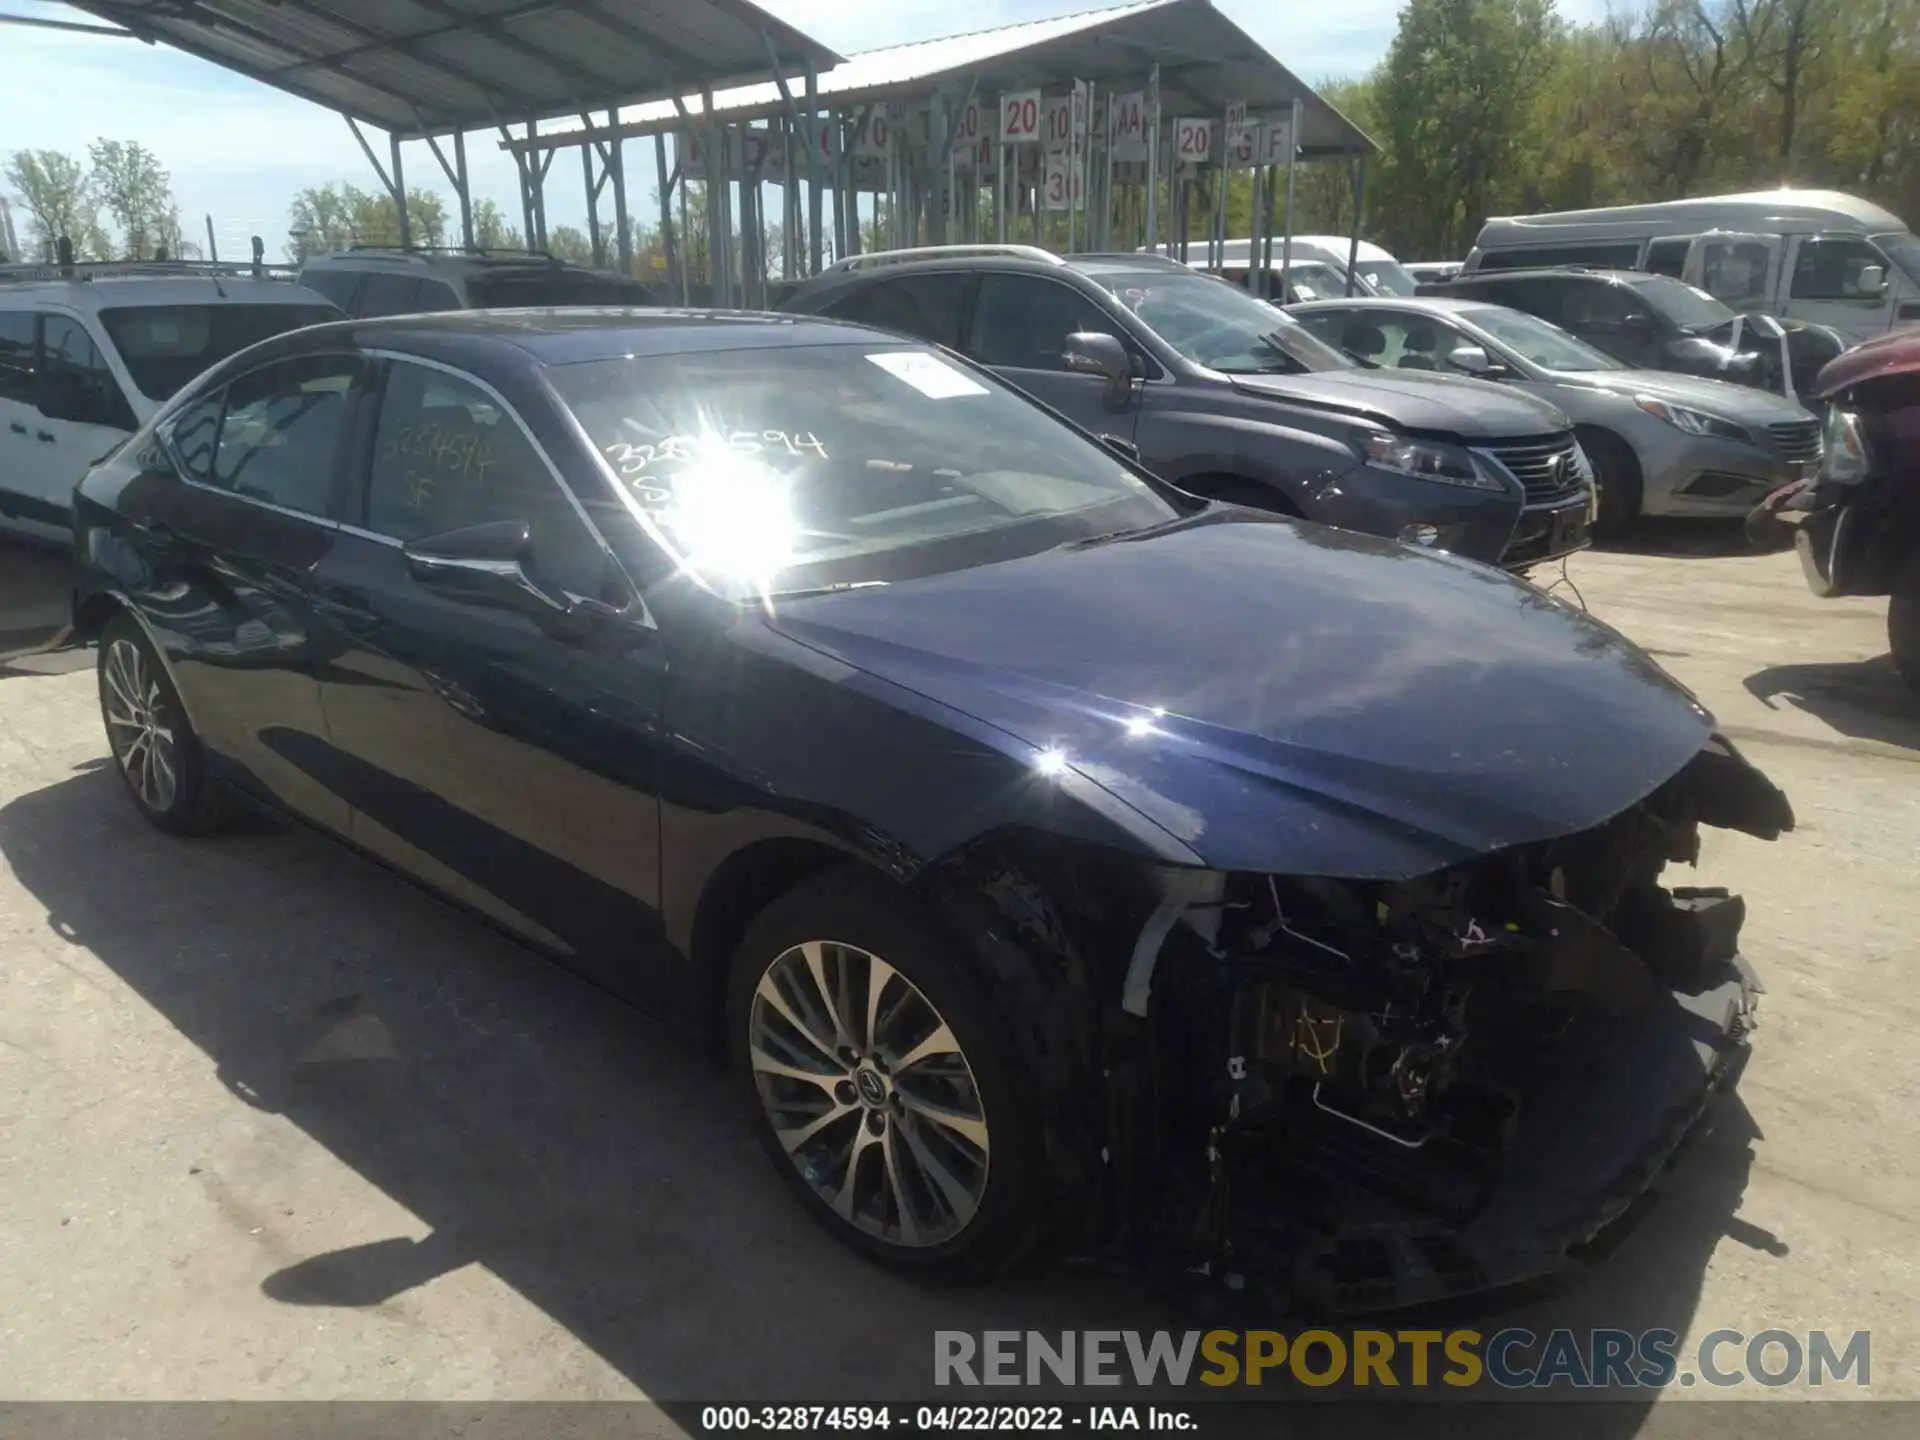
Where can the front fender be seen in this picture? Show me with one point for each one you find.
(771, 739)
(1299, 463)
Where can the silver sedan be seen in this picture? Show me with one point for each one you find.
(1659, 443)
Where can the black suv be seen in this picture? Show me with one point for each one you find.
(1228, 397)
(1654, 322)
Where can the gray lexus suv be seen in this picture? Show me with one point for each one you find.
(1227, 397)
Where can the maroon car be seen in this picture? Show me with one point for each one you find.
(1859, 520)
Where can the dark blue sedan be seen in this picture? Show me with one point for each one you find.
(1061, 861)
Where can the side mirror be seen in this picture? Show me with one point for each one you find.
(1092, 353)
(1474, 360)
(1639, 329)
(1873, 281)
(485, 565)
(1122, 447)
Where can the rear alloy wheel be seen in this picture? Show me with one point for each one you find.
(881, 1081)
(1903, 621)
(154, 747)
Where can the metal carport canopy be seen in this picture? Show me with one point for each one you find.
(1206, 62)
(420, 67)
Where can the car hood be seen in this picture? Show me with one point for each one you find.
(1717, 397)
(1285, 698)
(1415, 400)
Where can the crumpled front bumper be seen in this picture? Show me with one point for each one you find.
(1588, 1146)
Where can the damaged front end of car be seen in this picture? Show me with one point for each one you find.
(1370, 1094)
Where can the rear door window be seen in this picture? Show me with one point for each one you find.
(927, 307)
(16, 355)
(437, 295)
(280, 435)
(1668, 257)
(383, 294)
(339, 286)
(1735, 269)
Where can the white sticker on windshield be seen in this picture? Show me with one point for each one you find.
(928, 374)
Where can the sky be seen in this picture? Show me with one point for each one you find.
(239, 151)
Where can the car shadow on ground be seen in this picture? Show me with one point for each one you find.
(600, 1168)
(1669, 537)
(1862, 699)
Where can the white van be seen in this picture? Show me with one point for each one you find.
(1376, 271)
(1813, 255)
(85, 358)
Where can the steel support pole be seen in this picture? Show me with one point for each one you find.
(715, 170)
(463, 187)
(668, 247)
(1293, 150)
(839, 179)
(593, 208)
(1359, 216)
(1153, 159)
(815, 196)
(400, 193)
(622, 221)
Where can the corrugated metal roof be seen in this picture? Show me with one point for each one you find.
(1206, 62)
(423, 66)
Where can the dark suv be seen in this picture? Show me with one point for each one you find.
(1227, 397)
(1654, 322)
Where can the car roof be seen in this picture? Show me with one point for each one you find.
(444, 262)
(104, 292)
(1429, 304)
(1557, 272)
(570, 335)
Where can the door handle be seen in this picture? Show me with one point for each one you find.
(343, 608)
(17, 427)
(44, 436)
(156, 535)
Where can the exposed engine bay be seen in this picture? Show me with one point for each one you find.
(1380, 1093)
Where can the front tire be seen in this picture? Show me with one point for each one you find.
(154, 748)
(1903, 621)
(1616, 476)
(881, 1080)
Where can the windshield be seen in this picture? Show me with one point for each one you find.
(1904, 250)
(1389, 277)
(1686, 307)
(1219, 325)
(1314, 281)
(775, 470)
(1547, 346)
(165, 346)
(540, 287)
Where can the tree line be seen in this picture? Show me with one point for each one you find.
(117, 204)
(1490, 107)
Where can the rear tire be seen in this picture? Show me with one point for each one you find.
(1903, 621)
(1616, 476)
(155, 751)
(931, 1165)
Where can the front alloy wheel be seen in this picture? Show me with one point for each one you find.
(869, 1093)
